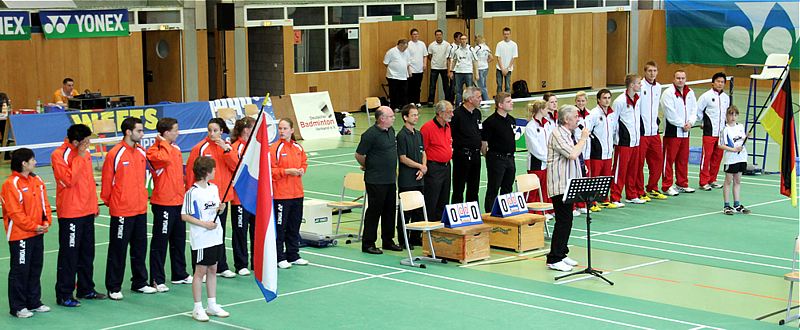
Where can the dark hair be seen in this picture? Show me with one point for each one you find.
(732, 110)
(165, 124)
(19, 156)
(78, 132)
(4, 98)
(457, 35)
(546, 97)
(406, 110)
(719, 75)
(221, 123)
(601, 92)
(129, 124)
(402, 42)
(202, 167)
(649, 64)
(66, 80)
(241, 124)
(289, 121)
(437, 31)
(506, 29)
(413, 30)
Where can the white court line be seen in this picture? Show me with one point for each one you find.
(492, 261)
(581, 303)
(352, 154)
(328, 194)
(318, 163)
(774, 216)
(226, 324)
(614, 271)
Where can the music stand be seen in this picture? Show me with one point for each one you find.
(587, 190)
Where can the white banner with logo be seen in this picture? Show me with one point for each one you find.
(314, 114)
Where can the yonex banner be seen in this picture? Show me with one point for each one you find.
(84, 23)
(15, 25)
(731, 32)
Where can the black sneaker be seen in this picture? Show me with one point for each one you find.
(69, 302)
(728, 210)
(741, 209)
(94, 296)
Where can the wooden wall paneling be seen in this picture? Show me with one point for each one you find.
(617, 55)
(599, 49)
(202, 64)
(230, 54)
(167, 78)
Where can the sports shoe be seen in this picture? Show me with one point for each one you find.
(94, 296)
(569, 261)
(41, 309)
(687, 190)
(187, 280)
(619, 204)
(162, 288)
(706, 187)
(300, 262)
(115, 295)
(741, 209)
(595, 208)
(146, 290)
(548, 217)
(243, 272)
(582, 210)
(609, 205)
(672, 191)
(728, 210)
(635, 201)
(560, 266)
(575, 213)
(655, 194)
(644, 198)
(216, 310)
(283, 264)
(716, 185)
(227, 274)
(23, 313)
(200, 315)
(69, 302)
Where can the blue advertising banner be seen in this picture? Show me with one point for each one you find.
(62, 24)
(15, 25)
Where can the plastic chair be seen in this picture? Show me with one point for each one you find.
(371, 103)
(530, 182)
(102, 128)
(412, 200)
(773, 67)
(355, 182)
(792, 278)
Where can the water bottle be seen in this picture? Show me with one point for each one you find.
(38, 106)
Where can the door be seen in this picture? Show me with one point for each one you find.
(617, 49)
(265, 56)
(163, 66)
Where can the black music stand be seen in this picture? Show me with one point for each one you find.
(587, 190)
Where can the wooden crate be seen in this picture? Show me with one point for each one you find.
(520, 233)
(463, 244)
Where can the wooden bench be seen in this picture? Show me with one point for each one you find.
(520, 233)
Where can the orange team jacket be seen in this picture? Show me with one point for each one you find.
(25, 206)
(166, 166)
(224, 170)
(287, 154)
(123, 189)
(233, 160)
(76, 192)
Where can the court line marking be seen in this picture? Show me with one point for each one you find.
(614, 271)
(226, 324)
(662, 318)
(774, 216)
(352, 154)
(340, 163)
(492, 261)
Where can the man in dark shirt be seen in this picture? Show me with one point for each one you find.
(497, 138)
(466, 127)
(377, 154)
(438, 143)
(411, 153)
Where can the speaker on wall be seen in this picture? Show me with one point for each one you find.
(468, 9)
(225, 18)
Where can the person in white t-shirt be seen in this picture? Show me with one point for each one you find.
(462, 66)
(484, 55)
(418, 51)
(731, 139)
(438, 55)
(398, 69)
(201, 209)
(506, 53)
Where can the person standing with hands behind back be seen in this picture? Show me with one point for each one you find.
(289, 164)
(731, 139)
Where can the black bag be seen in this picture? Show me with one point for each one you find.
(519, 89)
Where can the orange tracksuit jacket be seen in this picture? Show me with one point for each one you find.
(224, 170)
(25, 206)
(123, 188)
(287, 154)
(166, 166)
(76, 192)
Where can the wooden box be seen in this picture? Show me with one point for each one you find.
(464, 244)
(520, 233)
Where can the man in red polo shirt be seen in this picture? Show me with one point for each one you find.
(438, 143)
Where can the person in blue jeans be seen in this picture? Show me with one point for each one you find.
(483, 55)
(463, 65)
(506, 53)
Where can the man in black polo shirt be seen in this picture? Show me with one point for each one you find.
(497, 137)
(438, 143)
(411, 154)
(466, 128)
(377, 154)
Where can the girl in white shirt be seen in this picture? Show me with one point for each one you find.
(731, 139)
(537, 134)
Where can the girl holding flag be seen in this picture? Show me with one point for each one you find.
(289, 164)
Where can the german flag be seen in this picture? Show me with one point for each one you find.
(778, 121)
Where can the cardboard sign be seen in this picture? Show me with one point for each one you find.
(509, 205)
(462, 214)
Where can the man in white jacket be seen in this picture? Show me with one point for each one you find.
(711, 108)
(680, 112)
(626, 150)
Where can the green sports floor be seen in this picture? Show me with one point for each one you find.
(677, 264)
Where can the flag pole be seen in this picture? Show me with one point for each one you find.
(769, 99)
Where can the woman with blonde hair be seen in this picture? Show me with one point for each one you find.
(537, 134)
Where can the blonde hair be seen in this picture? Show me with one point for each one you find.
(536, 106)
(579, 94)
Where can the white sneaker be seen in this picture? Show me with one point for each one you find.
(548, 217)
(582, 210)
(619, 204)
(24, 313)
(706, 187)
(300, 262)
(284, 264)
(716, 185)
(146, 289)
(635, 201)
(569, 261)
(672, 191)
(187, 280)
(204, 278)
(243, 272)
(560, 266)
(200, 315)
(115, 295)
(162, 288)
(227, 274)
(41, 309)
(216, 310)
(687, 190)
(575, 213)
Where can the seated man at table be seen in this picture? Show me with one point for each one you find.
(62, 95)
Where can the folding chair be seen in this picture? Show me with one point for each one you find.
(371, 103)
(355, 182)
(102, 128)
(412, 200)
(251, 110)
(792, 278)
(525, 184)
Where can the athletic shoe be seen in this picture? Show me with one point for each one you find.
(162, 288)
(687, 190)
(418, 105)
(283, 264)
(728, 210)
(619, 204)
(644, 198)
(69, 302)
(569, 261)
(582, 210)
(300, 262)
(146, 290)
(595, 208)
(200, 315)
(94, 296)
(23, 313)
(655, 194)
(706, 187)
(115, 295)
(204, 278)
(187, 280)
(741, 209)
(216, 310)
(575, 213)
(609, 205)
(672, 191)
(227, 274)
(548, 217)
(635, 201)
(716, 185)
(41, 309)
(560, 266)
(243, 272)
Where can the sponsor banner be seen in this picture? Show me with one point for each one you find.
(314, 114)
(15, 25)
(63, 24)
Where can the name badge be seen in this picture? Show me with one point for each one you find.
(509, 205)
(480, 126)
(461, 214)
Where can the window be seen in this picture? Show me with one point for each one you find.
(383, 10)
(528, 5)
(305, 16)
(560, 4)
(262, 14)
(493, 6)
(617, 3)
(589, 3)
(343, 48)
(345, 14)
(309, 52)
(419, 9)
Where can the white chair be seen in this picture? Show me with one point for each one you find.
(792, 277)
(371, 103)
(773, 67)
(530, 182)
(354, 182)
(412, 200)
